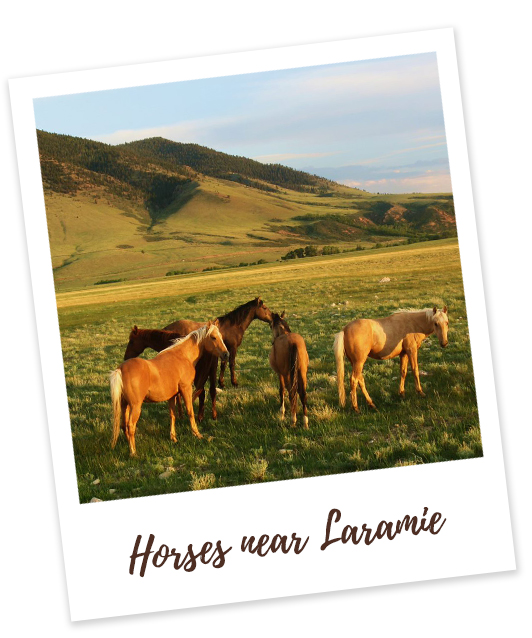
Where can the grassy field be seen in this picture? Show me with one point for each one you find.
(249, 443)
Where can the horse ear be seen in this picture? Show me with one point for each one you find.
(259, 301)
(209, 324)
(283, 314)
(434, 310)
(135, 330)
(445, 309)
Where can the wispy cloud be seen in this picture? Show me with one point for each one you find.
(280, 157)
(400, 152)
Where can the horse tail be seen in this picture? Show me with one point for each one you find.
(294, 373)
(116, 397)
(339, 356)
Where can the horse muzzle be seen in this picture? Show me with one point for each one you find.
(225, 356)
(444, 345)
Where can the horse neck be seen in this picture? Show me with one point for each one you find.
(191, 349)
(159, 339)
(252, 314)
(422, 323)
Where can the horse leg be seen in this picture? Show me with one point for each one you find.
(212, 390)
(131, 427)
(178, 402)
(186, 392)
(364, 391)
(302, 389)
(412, 355)
(281, 395)
(222, 371)
(172, 408)
(292, 395)
(201, 408)
(232, 359)
(353, 382)
(404, 367)
(125, 415)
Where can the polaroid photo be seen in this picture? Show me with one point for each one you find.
(261, 324)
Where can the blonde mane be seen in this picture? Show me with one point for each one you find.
(198, 335)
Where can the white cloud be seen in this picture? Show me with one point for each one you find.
(279, 157)
(432, 183)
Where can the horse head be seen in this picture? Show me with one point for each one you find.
(262, 312)
(135, 345)
(214, 342)
(278, 325)
(441, 325)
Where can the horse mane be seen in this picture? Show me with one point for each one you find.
(239, 314)
(198, 335)
(278, 319)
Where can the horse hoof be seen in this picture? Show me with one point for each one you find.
(422, 394)
(173, 439)
(221, 384)
(402, 394)
(373, 407)
(198, 435)
(234, 384)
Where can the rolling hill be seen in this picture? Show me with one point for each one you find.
(153, 207)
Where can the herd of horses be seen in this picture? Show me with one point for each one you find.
(189, 352)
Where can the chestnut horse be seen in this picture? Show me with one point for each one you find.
(289, 358)
(171, 372)
(399, 334)
(232, 327)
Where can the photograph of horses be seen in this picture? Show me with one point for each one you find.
(295, 229)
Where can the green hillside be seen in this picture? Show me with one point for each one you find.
(156, 207)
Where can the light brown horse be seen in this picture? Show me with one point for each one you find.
(232, 326)
(289, 358)
(399, 334)
(171, 372)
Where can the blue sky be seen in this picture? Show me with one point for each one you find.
(374, 124)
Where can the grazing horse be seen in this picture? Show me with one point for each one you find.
(171, 372)
(232, 326)
(140, 339)
(399, 334)
(289, 358)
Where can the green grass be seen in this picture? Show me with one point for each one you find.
(249, 443)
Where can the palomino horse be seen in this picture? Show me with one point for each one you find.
(232, 326)
(289, 358)
(171, 372)
(399, 334)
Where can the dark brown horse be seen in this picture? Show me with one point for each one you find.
(232, 325)
(289, 358)
(140, 339)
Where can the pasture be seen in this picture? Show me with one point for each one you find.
(249, 443)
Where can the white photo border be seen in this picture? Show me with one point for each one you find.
(98, 540)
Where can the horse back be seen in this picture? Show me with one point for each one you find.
(281, 351)
(185, 326)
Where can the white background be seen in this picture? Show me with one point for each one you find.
(491, 54)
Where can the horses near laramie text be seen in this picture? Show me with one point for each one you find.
(289, 358)
(399, 334)
(163, 378)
